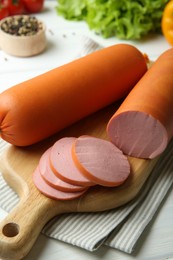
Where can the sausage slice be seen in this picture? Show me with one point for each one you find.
(50, 192)
(100, 161)
(53, 180)
(63, 165)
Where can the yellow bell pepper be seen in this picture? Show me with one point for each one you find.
(167, 22)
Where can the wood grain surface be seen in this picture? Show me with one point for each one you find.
(20, 229)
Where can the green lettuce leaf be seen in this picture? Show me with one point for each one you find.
(123, 19)
(72, 9)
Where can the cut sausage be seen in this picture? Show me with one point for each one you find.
(100, 161)
(53, 180)
(143, 124)
(50, 192)
(44, 105)
(63, 165)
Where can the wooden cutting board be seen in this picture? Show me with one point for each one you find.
(20, 229)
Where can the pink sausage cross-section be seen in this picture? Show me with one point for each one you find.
(100, 161)
(62, 163)
(52, 179)
(50, 192)
(143, 124)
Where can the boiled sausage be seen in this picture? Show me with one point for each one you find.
(53, 180)
(50, 192)
(143, 124)
(100, 161)
(63, 165)
(46, 104)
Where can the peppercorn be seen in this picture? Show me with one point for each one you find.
(21, 25)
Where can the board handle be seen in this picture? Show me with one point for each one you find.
(20, 229)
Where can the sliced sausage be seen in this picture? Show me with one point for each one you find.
(53, 180)
(50, 192)
(63, 165)
(100, 161)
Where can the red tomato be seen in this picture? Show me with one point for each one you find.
(3, 11)
(4, 2)
(16, 7)
(33, 6)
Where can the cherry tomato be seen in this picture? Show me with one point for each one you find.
(3, 11)
(33, 6)
(15, 7)
(4, 2)
(167, 22)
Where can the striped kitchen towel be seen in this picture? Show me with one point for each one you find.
(87, 46)
(119, 228)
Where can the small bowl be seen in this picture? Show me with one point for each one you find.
(23, 45)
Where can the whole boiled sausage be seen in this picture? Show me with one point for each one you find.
(40, 107)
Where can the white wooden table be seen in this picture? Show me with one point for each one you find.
(63, 45)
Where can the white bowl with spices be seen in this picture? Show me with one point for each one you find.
(22, 35)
